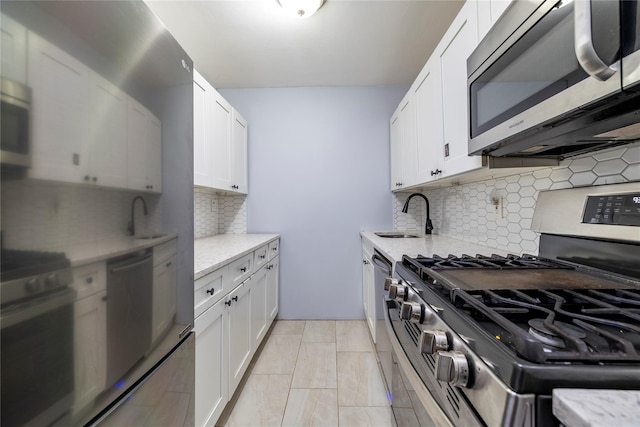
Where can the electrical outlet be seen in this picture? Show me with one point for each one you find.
(213, 206)
(497, 203)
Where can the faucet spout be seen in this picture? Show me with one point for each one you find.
(428, 225)
(131, 228)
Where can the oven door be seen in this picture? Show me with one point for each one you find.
(564, 57)
(37, 361)
(411, 401)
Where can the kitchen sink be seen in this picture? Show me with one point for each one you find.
(395, 235)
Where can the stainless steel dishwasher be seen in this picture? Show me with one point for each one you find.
(129, 305)
(383, 269)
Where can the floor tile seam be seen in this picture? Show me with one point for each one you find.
(295, 365)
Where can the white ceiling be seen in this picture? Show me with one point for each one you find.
(252, 43)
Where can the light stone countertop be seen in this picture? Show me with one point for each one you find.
(211, 253)
(427, 245)
(597, 408)
(100, 250)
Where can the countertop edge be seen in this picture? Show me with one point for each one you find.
(591, 408)
(218, 261)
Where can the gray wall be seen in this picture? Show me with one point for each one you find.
(318, 174)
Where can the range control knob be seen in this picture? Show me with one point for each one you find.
(388, 282)
(32, 285)
(412, 311)
(432, 342)
(397, 292)
(51, 280)
(452, 367)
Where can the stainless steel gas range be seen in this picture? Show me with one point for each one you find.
(485, 339)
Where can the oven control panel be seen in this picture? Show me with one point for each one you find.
(617, 209)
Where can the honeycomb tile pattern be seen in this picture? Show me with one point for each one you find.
(205, 214)
(39, 215)
(466, 211)
(219, 214)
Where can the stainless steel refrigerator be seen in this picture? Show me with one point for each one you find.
(96, 275)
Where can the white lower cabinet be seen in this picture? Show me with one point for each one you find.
(259, 314)
(240, 340)
(230, 327)
(273, 273)
(90, 333)
(211, 364)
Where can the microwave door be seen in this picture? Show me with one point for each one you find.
(631, 45)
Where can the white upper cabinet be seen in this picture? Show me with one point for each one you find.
(455, 47)
(14, 50)
(99, 135)
(239, 152)
(202, 131)
(428, 106)
(220, 140)
(144, 134)
(108, 134)
(403, 144)
(60, 113)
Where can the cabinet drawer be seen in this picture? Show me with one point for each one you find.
(164, 251)
(261, 256)
(210, 288)
(89, 279)
(240, 269)
(274, 248)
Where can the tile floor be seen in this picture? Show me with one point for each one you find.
(312, 373)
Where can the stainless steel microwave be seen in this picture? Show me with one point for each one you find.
(556, 78)
(15, 107)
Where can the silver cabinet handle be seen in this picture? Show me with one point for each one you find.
(586, 53)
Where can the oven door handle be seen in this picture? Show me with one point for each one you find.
(382, 264)
(430, 405)
(586, 53)
(13, 316)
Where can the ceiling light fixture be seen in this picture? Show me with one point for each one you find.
(301, 8)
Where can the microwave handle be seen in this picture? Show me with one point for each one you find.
(583, 40)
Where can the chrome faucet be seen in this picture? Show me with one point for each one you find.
(428, 226)
(132, 225)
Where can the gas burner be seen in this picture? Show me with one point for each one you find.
(539, 330)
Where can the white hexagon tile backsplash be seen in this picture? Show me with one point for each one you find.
(466, 212)
(219, 213)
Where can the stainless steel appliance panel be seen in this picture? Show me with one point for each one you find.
(129, 296)
(73, 350)
(546, 81)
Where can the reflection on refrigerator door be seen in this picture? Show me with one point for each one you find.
(165, 397)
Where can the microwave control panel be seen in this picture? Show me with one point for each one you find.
(617, 209)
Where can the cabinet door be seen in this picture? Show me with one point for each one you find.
(408, 141)
(259, 315)
(154, 155)
(455, 47)
(221, 142)
(14, 50)
(202, 131)
(365, 288)
(90, 348)
(144, 146)
(164, 296)
(273, 283)
(137, 137)
(240, 349)
(428, 102)
(60, 113)
(108, 138)
(211, 364)
(239, 152)
(396, 156)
